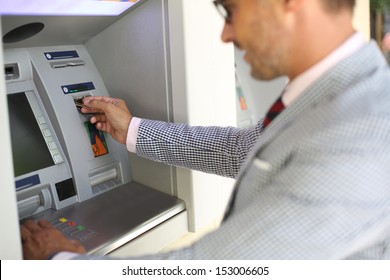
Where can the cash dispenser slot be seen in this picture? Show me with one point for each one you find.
(105, 178)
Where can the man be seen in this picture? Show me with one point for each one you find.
(314, 182)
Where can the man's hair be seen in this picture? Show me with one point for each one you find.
(337, 5)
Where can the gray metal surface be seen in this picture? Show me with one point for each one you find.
(132, 56)
(117, 216)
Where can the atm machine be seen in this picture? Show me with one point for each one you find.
(66, 171)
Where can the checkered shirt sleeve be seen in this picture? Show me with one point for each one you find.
(217, 150)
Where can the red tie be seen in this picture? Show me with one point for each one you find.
(274, 111)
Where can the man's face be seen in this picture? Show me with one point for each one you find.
(258, 28)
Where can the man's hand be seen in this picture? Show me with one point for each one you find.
(41, 240)
(110, 115)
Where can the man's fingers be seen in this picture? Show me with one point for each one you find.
(98, 118)
(99, 121)
(96, 106)
(119, 103)
(45, 224)
(102, 103)
(88, 99)
(31, 226)
(89, 110)
(24, 233)
(95, 101)
(79, 247)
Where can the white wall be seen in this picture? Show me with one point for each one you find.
(9, 237)
(361, 19)
(203, 67)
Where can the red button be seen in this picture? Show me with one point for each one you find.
(71, 224)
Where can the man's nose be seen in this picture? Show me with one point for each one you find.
(227, 33)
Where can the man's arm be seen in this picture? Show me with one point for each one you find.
(216, 150)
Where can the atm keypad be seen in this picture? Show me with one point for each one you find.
(72, 229)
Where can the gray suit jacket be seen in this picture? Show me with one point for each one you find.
(315, 184)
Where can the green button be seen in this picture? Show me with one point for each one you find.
(80, 228)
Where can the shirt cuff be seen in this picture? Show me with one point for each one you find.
(64, 256)
(132, 134)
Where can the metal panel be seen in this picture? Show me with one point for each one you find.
(131, 56)
(116, 217)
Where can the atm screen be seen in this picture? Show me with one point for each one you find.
(29, 149)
